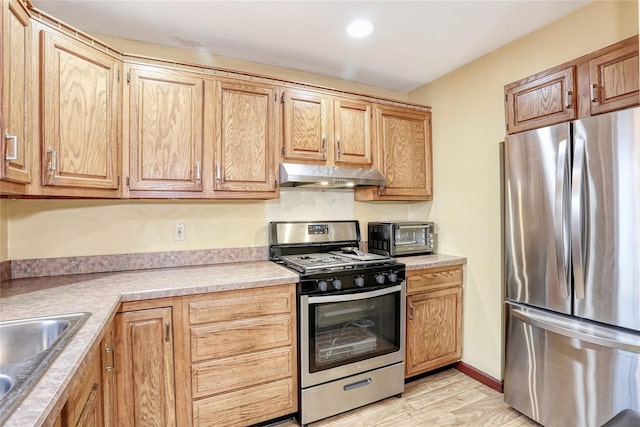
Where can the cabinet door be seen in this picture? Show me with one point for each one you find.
(541, 100)
(166, 110)
(404, 137)
(16, 82)
(613, 79)
(352, 123)
(246, 138)
(145, 368)
(306, 126)
(80, 104)
(433, 329)
(84, 406)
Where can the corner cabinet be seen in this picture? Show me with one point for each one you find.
(246, 140)
(243, 355)
(84, 408)
(165, 130)
(404, 155)
(79, 123)
(17, 96)
(434, 319)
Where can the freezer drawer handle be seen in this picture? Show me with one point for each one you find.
(632, 343)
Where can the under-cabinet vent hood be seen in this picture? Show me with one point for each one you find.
(313, 176)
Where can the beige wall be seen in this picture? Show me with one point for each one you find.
(468, 124)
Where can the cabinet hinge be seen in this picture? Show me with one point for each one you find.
(118, 76)
(128, 78)
(127, 181)
(118, 181)
(275, 97)
(282, 150)
(506, 98)
(282, 98)
(506, 126)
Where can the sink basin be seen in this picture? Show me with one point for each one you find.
(27, 349)
(5, 385)
(20, 340)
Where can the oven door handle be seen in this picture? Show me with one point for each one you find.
(354, 297)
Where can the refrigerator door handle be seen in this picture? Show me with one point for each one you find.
(590, 333)
(578, 201)
(560, 218)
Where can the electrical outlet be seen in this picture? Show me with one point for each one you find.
(178, 232)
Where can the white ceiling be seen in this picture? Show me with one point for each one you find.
(414, 43)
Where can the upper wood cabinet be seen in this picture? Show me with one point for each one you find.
(145, 368)
(541, 100)
(602, 81)
(79, 124)
(322, 129)
(246, 140)
(613, 79)
(404, 155)
(17, 94)
(165, 130)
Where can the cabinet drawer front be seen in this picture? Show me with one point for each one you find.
(237, 372)
(247, 406)
(434, 278)
(235, 305)
(241, 336)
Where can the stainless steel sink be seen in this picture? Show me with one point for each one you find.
(27, 348)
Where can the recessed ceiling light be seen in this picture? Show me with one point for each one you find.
(360, 28)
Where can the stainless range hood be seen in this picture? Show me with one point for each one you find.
(314, 176)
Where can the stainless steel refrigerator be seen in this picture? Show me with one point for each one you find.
(572, 271)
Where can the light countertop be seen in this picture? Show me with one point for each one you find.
(101, 295)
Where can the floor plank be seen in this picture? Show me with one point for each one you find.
(447, 398)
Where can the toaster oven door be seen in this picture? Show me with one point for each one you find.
(408, 239)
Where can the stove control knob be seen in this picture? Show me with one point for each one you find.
(322, 285)
(359, 281)
(393, 276)
(380, 278)
(337, 283)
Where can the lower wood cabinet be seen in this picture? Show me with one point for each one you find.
(145, 376)
(434, 319)
(243, 356)
(84, 406)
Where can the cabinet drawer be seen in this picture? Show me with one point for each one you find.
(246, 407)
(237, 372)
(240, 304)
(224, 339)
(434, 278)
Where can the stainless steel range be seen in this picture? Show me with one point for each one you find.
(351, 316)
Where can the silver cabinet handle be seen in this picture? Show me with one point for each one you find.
(324, 144)
(411, 312)
(13, 138)
(569, 99)
(110, 350)
(594, 92)
(339, 148)
(53, 161)
(218, 172)
(198, 173)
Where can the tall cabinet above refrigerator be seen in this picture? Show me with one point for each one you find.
(572, 269)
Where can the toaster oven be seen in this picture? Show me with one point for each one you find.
(402, 238)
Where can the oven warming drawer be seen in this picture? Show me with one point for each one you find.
(347, 393)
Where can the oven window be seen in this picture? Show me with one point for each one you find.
(345, 332)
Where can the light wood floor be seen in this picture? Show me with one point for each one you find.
(448, 398)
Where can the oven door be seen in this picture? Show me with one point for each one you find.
(341, 335)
